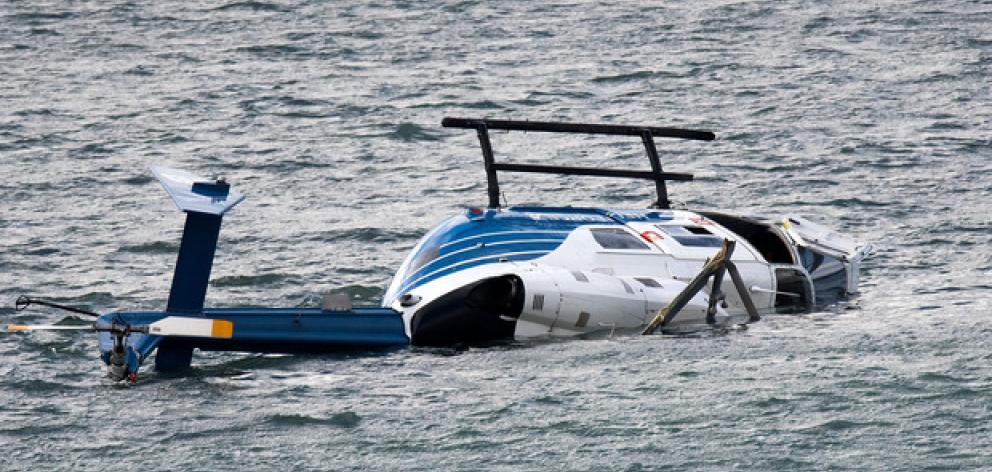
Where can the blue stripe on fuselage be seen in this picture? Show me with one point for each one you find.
(483, 249)
(513, 234)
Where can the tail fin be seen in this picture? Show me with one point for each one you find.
(205, 201)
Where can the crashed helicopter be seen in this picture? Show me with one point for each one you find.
(496, 273)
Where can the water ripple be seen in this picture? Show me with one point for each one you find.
(871, 118)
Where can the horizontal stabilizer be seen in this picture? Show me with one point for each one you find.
(193, 193)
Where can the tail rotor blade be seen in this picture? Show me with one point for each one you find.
(192, 327)
(168, 326)
(14, 328)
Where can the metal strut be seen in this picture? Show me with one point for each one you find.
(716, 266)
(646, 133)
(490, 163)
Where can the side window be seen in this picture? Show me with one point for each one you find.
(647, 282)
(696, 236)
(616, 238)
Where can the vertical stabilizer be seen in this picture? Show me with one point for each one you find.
(196, 257)
(204, 201)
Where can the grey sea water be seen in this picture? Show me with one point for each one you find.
(870, 117)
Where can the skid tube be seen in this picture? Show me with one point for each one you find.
(716, 266)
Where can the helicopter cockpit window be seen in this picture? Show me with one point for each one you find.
(426, 255)
(615, 238)
(695, 236)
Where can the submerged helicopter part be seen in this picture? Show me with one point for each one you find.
(121, 361)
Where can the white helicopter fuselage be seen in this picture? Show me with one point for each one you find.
(535, 271)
